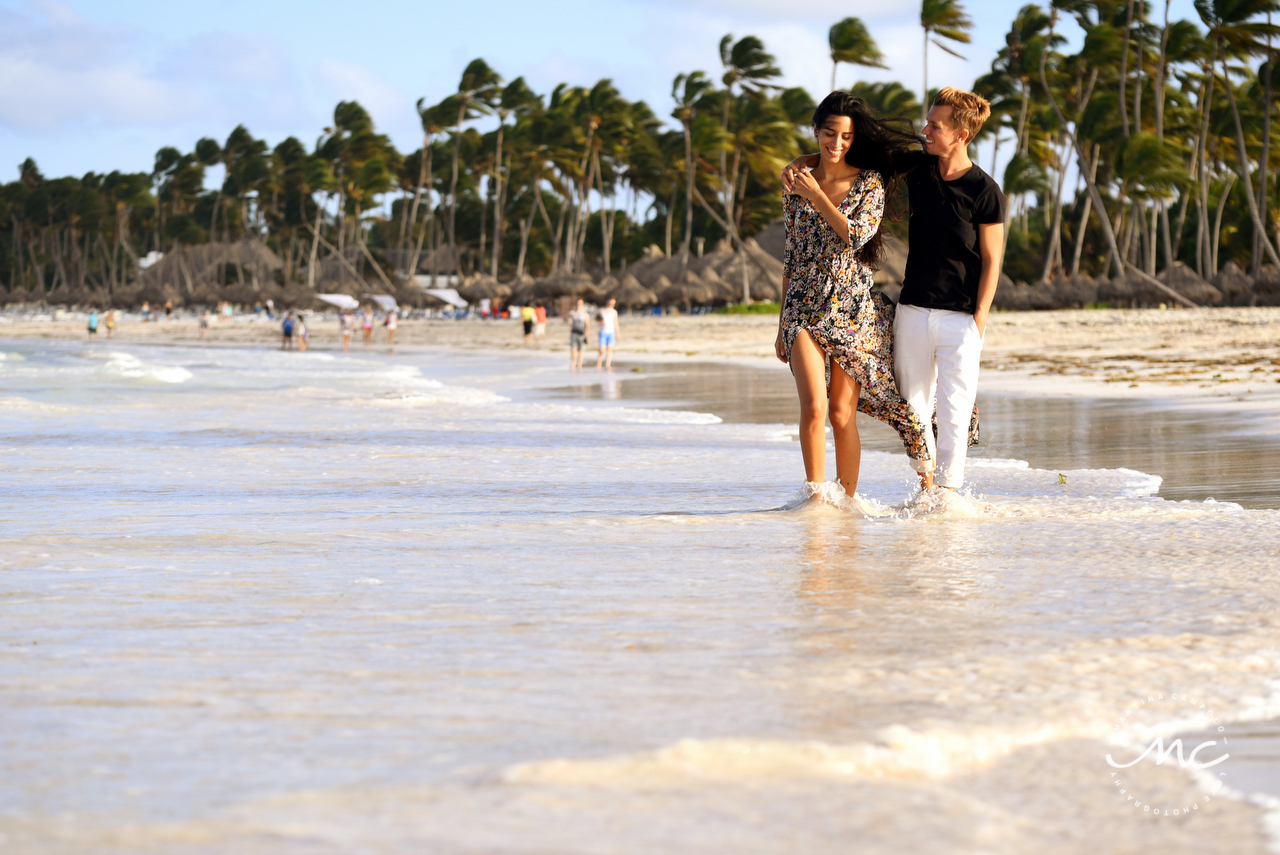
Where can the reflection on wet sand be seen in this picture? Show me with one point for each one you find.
(1199, 455)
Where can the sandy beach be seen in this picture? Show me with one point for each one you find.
(1223, 359)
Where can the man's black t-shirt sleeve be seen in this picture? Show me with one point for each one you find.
(988, 208)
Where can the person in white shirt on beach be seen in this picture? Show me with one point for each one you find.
(608, 335)
(390, 322)
(347, 324)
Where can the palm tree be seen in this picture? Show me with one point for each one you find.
(763, 139)
(891, 100)
(1232, 32)
(747, 66)
(944, 19)
(517, 99)
(850, 42)
(435, 120)
(477, 92)
(689, 92)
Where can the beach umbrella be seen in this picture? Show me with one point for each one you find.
(121, 298)
(1012, 296)
(556, 284)
(1266, 286)
(342, 301)
(722, 253)
(1078, 291)
(630, 294)
(764, 291)
(649, 273)
(1186, 282)
(722, 290)
(640, 267)
(483, 287)
(1118, 291)
(1236, 286)
(689, 290)
(385, 302)
(565, 284)
(1042, 297)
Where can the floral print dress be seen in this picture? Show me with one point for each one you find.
(829, 296)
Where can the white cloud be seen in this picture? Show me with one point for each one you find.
(60, 70)
(228, 59)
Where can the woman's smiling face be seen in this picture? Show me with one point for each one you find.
(834, 138)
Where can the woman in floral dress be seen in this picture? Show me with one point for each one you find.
(836, 334)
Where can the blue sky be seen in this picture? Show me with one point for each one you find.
(91, 85)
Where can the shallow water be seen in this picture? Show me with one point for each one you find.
(266, 602)
(1199, 455)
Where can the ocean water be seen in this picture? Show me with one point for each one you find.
(266, 602)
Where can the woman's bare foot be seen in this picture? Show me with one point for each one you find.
(926, 481)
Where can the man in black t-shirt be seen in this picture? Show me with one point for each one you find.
(956, 234)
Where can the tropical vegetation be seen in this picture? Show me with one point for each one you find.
(1146, 144)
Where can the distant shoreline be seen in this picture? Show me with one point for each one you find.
(1222, 359)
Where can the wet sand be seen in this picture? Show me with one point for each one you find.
(1200, 454)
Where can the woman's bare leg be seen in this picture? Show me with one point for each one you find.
(843, 411)
(808, 364)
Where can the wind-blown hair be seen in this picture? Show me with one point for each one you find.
(876, 143)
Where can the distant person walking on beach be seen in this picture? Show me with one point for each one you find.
(539, 322)
(302, 333)
(111, 322)
(956, 230)
(833, 331)
(390, 322)
(347, 325)
(168, 310)
(204, 324)
(579, 328)
(286, 329)
(608, 335)
(93, 322)
(366, 326)
(527, 318)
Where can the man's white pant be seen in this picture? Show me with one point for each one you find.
(935, 356)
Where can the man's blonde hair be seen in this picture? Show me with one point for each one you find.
(968, 110)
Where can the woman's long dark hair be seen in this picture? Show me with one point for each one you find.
(876, 142)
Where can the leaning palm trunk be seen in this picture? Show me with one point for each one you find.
(497, 203)
(424, 180)
(453, 188)
(1264, 158)
(1084, 218)
(734, 237)
(315, 246)
(1055, 230)
(688, 193)
(1217, 220)
(1083, 162)
(1242, 160)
